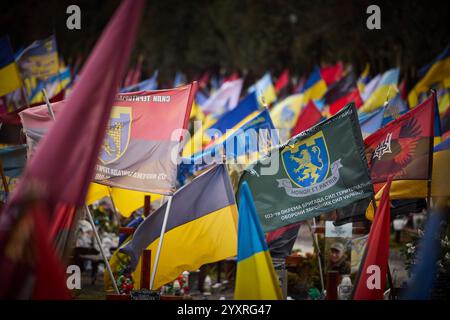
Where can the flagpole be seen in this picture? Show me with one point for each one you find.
(111, 275)
(161, 238)
(431, 155)
(49, 106)
(5, 182)
(114, 208)
(24, 96)
(319, 253)
(113, 203)
(166, 215)
(91, 220)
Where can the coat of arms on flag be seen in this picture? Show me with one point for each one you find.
(307, 162)
(307, 165)
(117, 135)
(132, 155)
(316, 173)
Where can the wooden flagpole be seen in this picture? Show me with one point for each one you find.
(5, 182)
(319, 253)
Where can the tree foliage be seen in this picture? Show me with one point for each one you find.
(247, 35)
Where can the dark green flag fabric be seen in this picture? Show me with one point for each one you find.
(319, 170)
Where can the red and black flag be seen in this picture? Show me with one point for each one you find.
(308, 117)
(403, 148)
(282, 84)
(343, 92)
(282, 240)
(331, 74)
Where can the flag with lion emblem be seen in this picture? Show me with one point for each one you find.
(142, 140)
(318, 171)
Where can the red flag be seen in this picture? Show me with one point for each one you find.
(353, 96)
(203, 81)
(403, 148)
(275, 234)
(283, 81)
(331, 74)
(282, 240)
(308, 117)
(372, 277)
(403, 90)
(232, 77)
(62, 168)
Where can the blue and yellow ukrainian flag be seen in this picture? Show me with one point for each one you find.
(53, 85)
(236, 143)
(13, 159)
(264, 90)
(255, 277)
(201, 228)
(387, 88)
(435, 72)
(196, 112)
(315, 87)
(437, 125)
(247, 108)
(364, 78)
(242, 144)
(9, 73)
(40, 59)
(285, 113)
(394, 109)
(443, 101)
(371, 122)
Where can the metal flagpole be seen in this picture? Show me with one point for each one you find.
(161, 238)
(24, 96)
(91, 220)
(111, 275)
(116, 214)
(50, 110)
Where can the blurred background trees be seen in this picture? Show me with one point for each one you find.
(247, 35)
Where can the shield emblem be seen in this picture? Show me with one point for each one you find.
(117, 135)
(307, 162)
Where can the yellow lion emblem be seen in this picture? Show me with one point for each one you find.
(309, 170)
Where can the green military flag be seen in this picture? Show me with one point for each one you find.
(319, 170)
